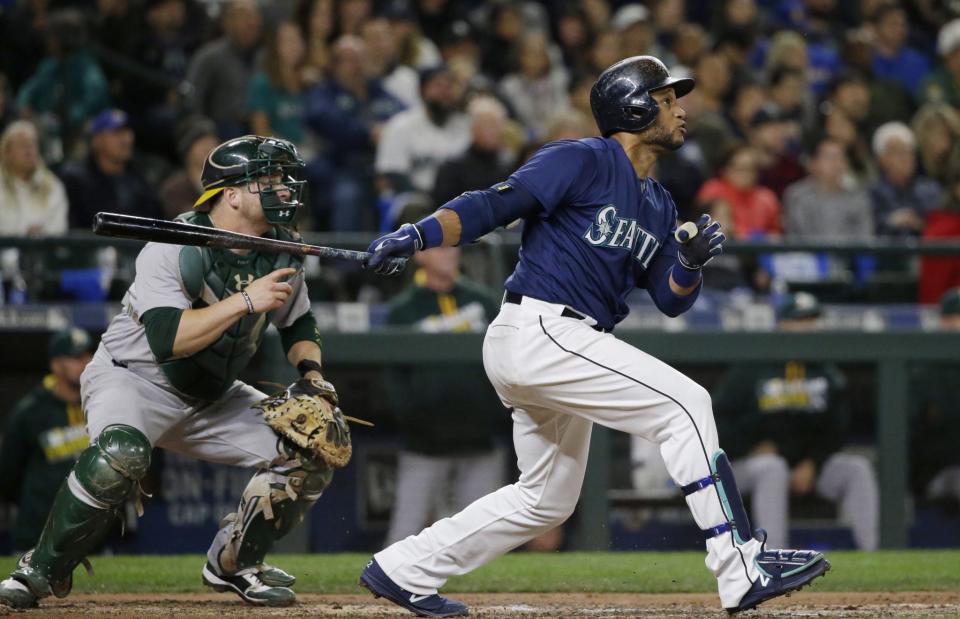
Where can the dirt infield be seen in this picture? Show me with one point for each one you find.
(510, 605)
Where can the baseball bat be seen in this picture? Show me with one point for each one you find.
(182, 233)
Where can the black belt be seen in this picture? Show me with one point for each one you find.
(516, 298)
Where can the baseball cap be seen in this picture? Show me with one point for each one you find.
(948, 39)
(69, 343)
(108, 120)
(950, 302)
(628, 15)
(798, 306)
(768, 113)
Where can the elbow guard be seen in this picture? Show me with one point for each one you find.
(487, 209)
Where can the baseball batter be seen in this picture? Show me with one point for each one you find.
(595, 227)
(165, 375)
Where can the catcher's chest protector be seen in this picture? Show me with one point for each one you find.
(209, 275)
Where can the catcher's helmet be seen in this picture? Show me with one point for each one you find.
(273, 164)
(620, 98)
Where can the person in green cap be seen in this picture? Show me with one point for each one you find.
(44, 435)
(785, 425)
(935, 423)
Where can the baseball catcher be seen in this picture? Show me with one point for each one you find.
(165, 375)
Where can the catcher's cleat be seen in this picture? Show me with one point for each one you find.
(781, 572)
(247, 584)
(15, 594)
(273, 576)
(379, 584)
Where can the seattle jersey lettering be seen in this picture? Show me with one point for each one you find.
(610, 230)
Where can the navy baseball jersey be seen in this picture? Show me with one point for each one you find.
(598, 231)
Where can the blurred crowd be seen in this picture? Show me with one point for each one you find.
(812, 120)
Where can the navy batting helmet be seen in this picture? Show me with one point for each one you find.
(620, 98)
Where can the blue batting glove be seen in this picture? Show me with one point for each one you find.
(705, 245)
(400, 244)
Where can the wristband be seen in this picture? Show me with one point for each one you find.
(431, 232)
(247, 301)
(308, 365)
(684, 277)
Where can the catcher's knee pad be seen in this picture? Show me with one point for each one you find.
(110, 468)
(721, 477)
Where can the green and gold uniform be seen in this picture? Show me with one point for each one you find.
(43, 438)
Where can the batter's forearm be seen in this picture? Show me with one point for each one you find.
(201, 327)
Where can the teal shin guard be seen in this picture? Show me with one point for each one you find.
(721, 476)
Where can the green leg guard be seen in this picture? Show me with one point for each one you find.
(85, 507)
(274, 501)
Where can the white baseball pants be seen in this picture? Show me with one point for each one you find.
(560, 377)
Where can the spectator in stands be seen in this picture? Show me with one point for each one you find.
(790, 92)
(784, 427)
(572, 31)
(940, 273)
(347, 112)
(709, 128)
(383, 62)
(754, 210)
(935, 422)
(937, 127)
(892, 59)
(447, 416)
(502, 41)
(316, 26)
(45, 433)
(483, 164)
(943, 84)
(220, 71)
(776, 140)
(900, 196)
(417, 141)
(68, 87)
(275, 96)
(33, 201)
(689, 44)
(637, 35)
(179, 192)
(845, 116)
(538, 88)
(148, 75)
(106, 180)
(604, 52)
(416, 50)
(829, 204)
(351, 14)
(749, 97)
(889, 100)
(461, 52)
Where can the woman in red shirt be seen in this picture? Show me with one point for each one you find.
(754, 209)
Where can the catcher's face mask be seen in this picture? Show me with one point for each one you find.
(270, 167)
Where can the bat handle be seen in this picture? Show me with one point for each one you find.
(396, 265)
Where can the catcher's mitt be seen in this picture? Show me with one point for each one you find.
(306, 414)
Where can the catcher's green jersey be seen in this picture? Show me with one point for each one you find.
(183, 277)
